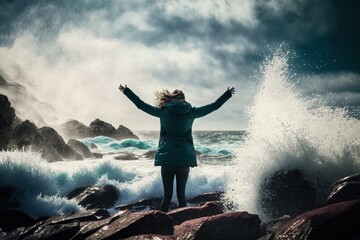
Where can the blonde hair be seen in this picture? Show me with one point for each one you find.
(162, 97)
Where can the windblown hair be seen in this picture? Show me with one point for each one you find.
(162, 97)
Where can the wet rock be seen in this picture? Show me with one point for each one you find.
(79, 147)
(345, 189)
(10, 197)
(7, 115)
(11, 219)
(26, 135)
(125, 132)
(229, 225)
(332, 222)
(145, 204)
(91, 227)
(82, 216)
(75, 129)
(206, 197)
(95, 197)
(53, 141)
(181, 215)
(150, 154)
(287, 193)
(151, 237)
(126, 156)
(148, 222)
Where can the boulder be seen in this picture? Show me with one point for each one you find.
(11, 219)
(125, 132)
(92, 197)
(91, 227)
(126, 156)
(54, 143)
(145, 204)
(332, 222)
(10, 197)
(7, 115)
(181, 215)
(76, 129)
(287, 192)
(26, 135)
(345, 189)
(82, 216)
(148, 222)
(206, 197)
(229, 225)
(79, 147)
(151, 237)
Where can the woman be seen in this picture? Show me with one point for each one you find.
(175, 153)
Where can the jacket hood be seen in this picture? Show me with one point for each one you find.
(178, 107)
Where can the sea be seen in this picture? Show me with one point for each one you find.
(286, 130)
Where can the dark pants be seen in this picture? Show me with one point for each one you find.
(168, 174)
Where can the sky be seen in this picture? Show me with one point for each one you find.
(74, 54)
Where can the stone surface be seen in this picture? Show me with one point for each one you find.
(75, 129)
(148, 222)
(95, 197)
(181, 215)
(230, 225)
(80, 148)
(145, 204)
(206, 197)
(345, 189)
(332, 222)
(11, 219)
(101, 128)
(26, 135)
(151, 237)
(287, 193)
(52, 141)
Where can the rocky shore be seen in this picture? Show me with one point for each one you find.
(298, 209)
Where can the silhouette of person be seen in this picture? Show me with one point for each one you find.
(175, 153)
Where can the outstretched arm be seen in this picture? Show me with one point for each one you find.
(154, 111)
(204, 110)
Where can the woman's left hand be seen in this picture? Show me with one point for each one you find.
(231, 90)
(122, 88)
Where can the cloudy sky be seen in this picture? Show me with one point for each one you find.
(74, 54)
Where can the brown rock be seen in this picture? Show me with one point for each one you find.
(345, 189)
(332, 222)
(229, 225)
(95, 197)
(181, 215)
(148, 222)
(206, 197)
(151, 237)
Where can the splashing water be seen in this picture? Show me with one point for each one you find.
(287, 131)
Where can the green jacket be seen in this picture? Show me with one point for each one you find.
(176, 147)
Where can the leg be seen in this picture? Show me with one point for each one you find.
(167, 175)
(181, 179)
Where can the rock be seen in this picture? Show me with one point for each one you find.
(345, 189)
(145, 204)
(273, 226)
(206, 197)
(229, 225)
(92, 227)
(151, 237)
(101, 128)
(148, 222)
(79, 147)
(287, 193)
(126, 156)
(26, 135)
(54, 143)
(181, 215)
(58, 227)
(75, 129)
(45, 232)
(126, 132)
(332, 222)
(95, 197)
(7, 115)
(11, 219)
(150, 154)
(10, 197)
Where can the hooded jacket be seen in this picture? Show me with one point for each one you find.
(176, 147)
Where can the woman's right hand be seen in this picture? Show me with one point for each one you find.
(122, 88)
